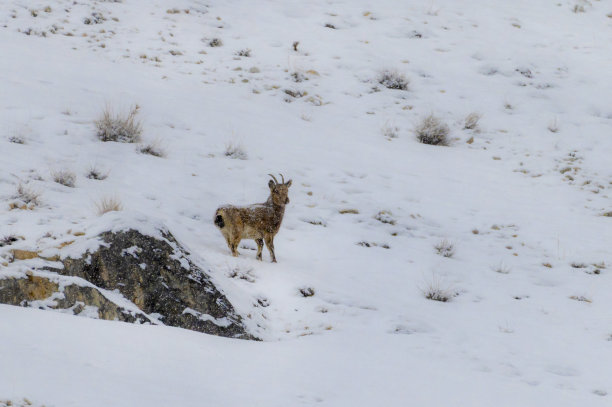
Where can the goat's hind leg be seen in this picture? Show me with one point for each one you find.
(259, 247)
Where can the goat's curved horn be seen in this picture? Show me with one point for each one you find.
(274, 178)
(282, 177)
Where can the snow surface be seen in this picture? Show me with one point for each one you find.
(528, 321)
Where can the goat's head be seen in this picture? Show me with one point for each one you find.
(279, 191)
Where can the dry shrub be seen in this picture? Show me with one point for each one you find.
(95, 173)
(436, 291)
(108, 204)
(215, 42)
(553, 125)
(501, 268)
(307, 291)
(445, 248)
(25, 198)
(154, 148)
(235, 151)
(385, 216)
(393, 80)
(390, 131)
(8, 240)
(471, 121)
(17, 139)
(432, 131)
(123, 128)
(64, 177)
(246, 52)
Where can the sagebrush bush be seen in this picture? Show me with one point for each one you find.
(108, 204)
(236, 151)
(393, 80)
(431, 130)
(64, 177)
(123, 128)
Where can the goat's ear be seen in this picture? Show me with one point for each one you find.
(288, 183)
(271, 184)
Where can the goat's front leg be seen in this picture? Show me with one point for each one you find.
(270, 244)
(234, 247)
(259, 247)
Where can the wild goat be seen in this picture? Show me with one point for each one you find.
(259, 222)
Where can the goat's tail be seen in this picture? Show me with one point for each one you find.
(219, 222)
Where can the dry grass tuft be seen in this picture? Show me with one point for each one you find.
(432, 131)
(17, 139)
(108, 204)
(25, 198)
(581, 298)
(553, 126)
(385, 216)
(471, 121)
(436, 291)
(501, 268)
(246, 52)
(123, 128)
(95, 173)
(235, 151)
(393, 80)
(154, 148)
(445, 248)
(64, 177)
(215, 42)
(389, 131)
(307, 291)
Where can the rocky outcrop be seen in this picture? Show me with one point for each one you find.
(20, 291)
(41, 292)
(153, 278)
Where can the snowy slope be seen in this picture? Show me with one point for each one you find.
(521, 204)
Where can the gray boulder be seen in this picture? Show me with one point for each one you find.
(157, 281)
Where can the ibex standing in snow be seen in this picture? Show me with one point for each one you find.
(259, 222)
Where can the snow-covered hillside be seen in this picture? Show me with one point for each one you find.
(523, 197)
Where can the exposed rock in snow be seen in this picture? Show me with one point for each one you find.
(111, 284)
